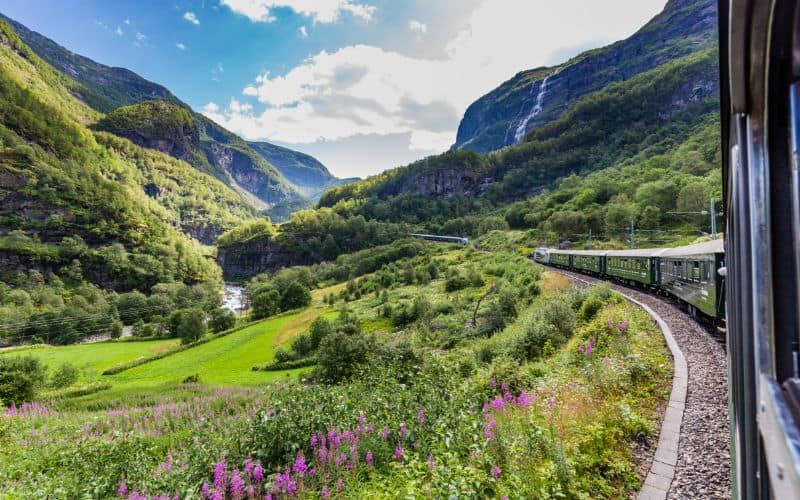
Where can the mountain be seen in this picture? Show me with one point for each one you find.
(149, 115)
(534, 98)
(633, 115)
(305, 172)
(79, 206)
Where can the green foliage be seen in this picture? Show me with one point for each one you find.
(340, 355)
(20, 378)
(294, 296)
(265, 301)
(221, 320)
(65, 376)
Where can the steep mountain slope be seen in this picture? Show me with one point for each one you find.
(205, 145)
(111, 211)
(103, 88)
(310, 176)
(525, 102)
(646, 115)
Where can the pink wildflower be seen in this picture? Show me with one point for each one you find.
(258, 473)
(403, 431)
(496, 471)
(123, 489)
(368, 458)
(220, 475)
(385, 433)
(421, 415)
(237, 485)
(339, 484)
(205, 490)
(325, 493)
(431, 463)
(398, 453)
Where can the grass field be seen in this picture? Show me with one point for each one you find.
(92, 359)
(225, 361)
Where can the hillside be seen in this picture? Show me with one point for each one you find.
(505, 115)
(83, 213)
(126, 97)
(647, 115)
(310, 176)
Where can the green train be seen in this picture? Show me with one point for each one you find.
(694, 274)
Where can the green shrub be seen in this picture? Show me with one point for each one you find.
(295, 296)
(191, 379)
(221, 320)
(340, 355)
(589, 309)
(455, 282)
(64, 376)
(265, 301)
(20, 378)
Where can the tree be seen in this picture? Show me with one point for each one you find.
(320, 328)
(265, 302)
(116, 329)
(221, 320)
(492, 223)
(340, 355)
(694, 198)
(567, 223)
(618, 217)
(131, 306)
(20, 378)
(191, 325)
(295, 296)
(650, 218)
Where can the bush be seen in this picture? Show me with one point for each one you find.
(187, 324)
(455, 282)
(295, 296)
(340, 355)
(131, 306)
(65, 376)
(221, 320)
(558, 313)
(320, 328)
(20, 378)
(116, 329)
(191, 379)
(589, 309)
(265, 302)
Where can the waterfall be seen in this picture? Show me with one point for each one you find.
(537, 108)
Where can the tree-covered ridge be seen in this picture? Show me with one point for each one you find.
(83, 213)
(683, 27)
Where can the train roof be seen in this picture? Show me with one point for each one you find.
(707, 247)
(636, 252)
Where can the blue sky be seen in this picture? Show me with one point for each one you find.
(364, 85)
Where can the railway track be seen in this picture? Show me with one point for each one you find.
(702, 469)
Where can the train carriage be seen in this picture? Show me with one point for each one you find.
(640, 265)
(561, 258)
(691, 274)
(592, 261)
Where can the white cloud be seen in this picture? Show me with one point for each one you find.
(127, 21)
(363, 90)
(118, 31)
(180, 46)
(417, 27)
(303, 31)
(191, 17)
(322, 11)
(140, 39)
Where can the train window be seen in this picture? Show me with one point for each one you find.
(696, 271)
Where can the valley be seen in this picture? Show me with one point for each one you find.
(286, 336)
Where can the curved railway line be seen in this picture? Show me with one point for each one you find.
(702, 462)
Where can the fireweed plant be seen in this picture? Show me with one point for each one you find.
(552, 404)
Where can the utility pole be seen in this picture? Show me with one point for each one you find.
(633, 241)
(713, 220)
(590, 238)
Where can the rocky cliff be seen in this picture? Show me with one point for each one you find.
(505, 115)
